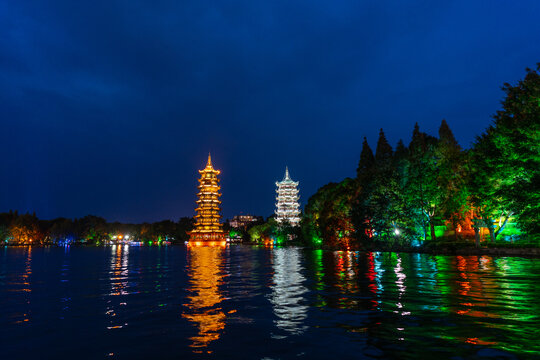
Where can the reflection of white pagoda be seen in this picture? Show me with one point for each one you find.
(287, 207)
(288, 296)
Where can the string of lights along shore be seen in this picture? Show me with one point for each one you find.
(287, 207)
(208, 229)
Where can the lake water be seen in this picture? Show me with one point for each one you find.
(243, 302)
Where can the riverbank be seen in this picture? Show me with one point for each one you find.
(529, 252)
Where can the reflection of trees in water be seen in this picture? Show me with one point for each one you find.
(288, 291)
(203, 309)
(346, 274)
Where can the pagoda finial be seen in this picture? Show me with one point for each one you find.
(287, 177)
(209, 164)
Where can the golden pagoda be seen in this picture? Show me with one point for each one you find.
(208, 230)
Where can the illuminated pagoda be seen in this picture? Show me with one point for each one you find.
(208, 230)
(287, 207)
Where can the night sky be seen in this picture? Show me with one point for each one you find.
(110, 108)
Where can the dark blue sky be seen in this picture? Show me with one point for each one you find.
(110, 107)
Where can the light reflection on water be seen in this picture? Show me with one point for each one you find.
(204, 298)
(118, 279)
(274, 303)
(287, 298)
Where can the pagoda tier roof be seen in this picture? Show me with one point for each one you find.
(211, 181)
(205, 200)
(284, 183)
(208, 196)
(207, 231)
(287, 179)
(209, 193)
(209, 167)
(206, 170)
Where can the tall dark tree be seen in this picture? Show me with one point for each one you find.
(366, 160)
(382, 199)
(421, 186)
(361, 211)
(451, 178)
(383, 153)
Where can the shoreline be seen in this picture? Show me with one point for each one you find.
(465, 251)
(528, 252)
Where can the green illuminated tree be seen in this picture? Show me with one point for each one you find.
(421, 187)
(92, 229)
(516, 135)
(483, 182)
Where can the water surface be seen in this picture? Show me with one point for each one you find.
(260, 303)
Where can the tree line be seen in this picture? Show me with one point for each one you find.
(27, 229)
(433, 189)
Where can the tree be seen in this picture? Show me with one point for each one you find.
(92, 229)
(366, 160)
(483, 182)
(516, 135)
(263, 232)
(62, 230)
(382, 199)
(361, 213)
(25, 230)
(421, 187)
(451, 178)
(183, 227)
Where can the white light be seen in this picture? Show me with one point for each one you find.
(396, 231)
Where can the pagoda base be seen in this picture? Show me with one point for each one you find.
(207, 239)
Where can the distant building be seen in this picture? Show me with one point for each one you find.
(287, 207)
(242, 221)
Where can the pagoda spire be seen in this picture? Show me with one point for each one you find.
(287, 177)
(209, 163)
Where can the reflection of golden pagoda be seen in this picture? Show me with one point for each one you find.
(204, 306)
(208, 229)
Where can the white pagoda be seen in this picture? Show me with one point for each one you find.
(287, 207)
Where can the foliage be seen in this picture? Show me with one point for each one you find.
(516, 136)
(433, 188)
(27, 229)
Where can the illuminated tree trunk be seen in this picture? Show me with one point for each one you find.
(432, 229)
(476, 235)
(503, 223)
(492, 233)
